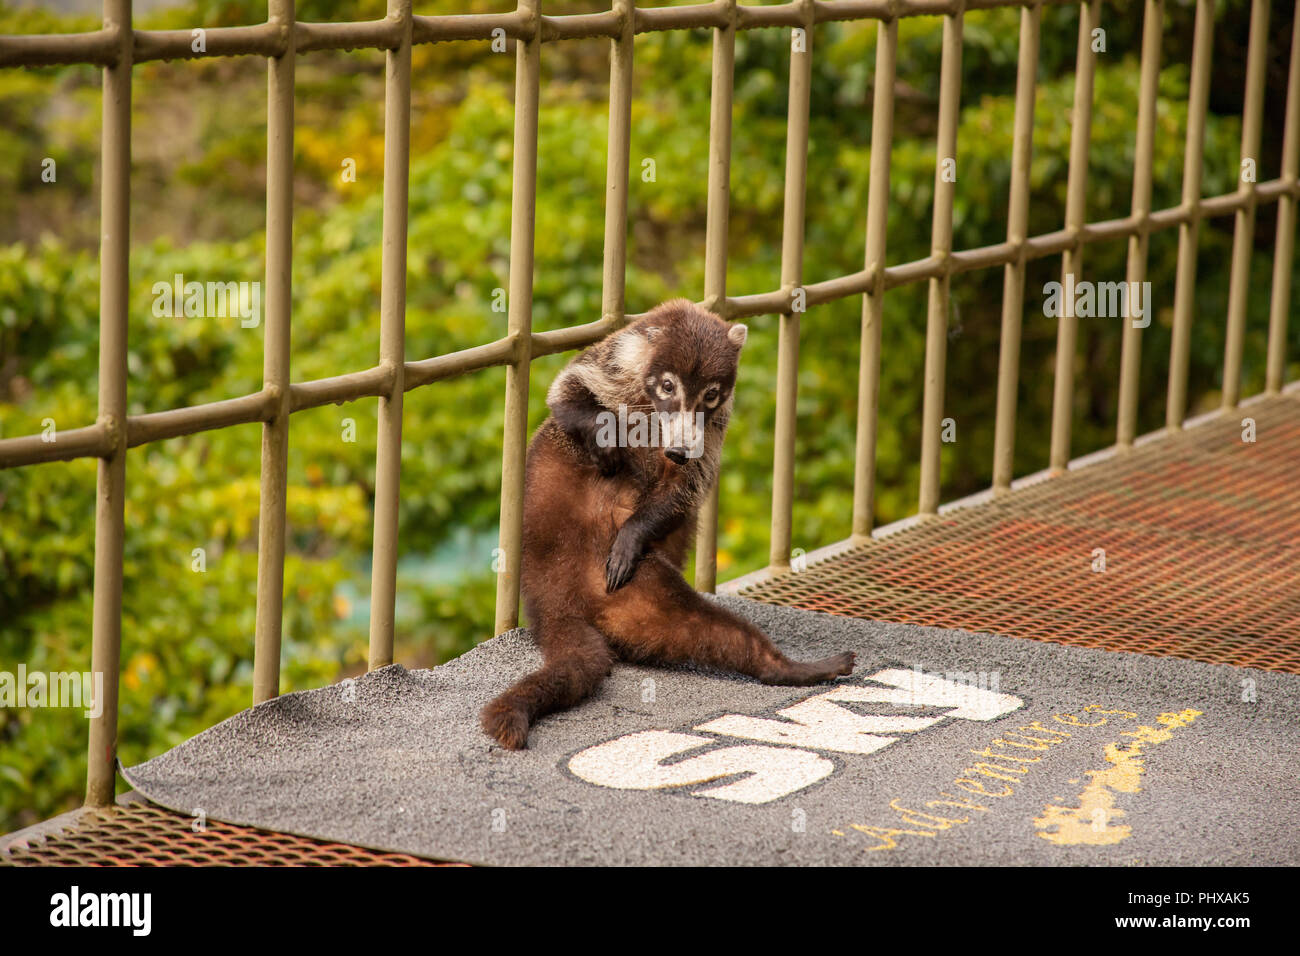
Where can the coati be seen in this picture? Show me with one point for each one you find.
(607, 523)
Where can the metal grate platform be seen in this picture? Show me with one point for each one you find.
(1201, 534)
(139, 834)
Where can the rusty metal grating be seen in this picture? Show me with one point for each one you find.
(140, 834)
(1201, 534)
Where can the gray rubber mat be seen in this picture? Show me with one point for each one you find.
(943, 747)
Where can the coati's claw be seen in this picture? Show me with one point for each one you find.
(506, 723)
(623, 558)
(618, 571)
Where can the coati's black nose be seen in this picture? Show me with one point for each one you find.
(677, 456)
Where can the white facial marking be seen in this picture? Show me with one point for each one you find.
(632, 351)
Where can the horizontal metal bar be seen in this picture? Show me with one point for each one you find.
(583, 25)
(338, 389)
(841, 10)
(695, 16)
(500, 352)
(101, 48)
(270, 39)
(985, 257)
(383, 34)
(156, 426)
(476, 26)
(91, 441)
(1120, 228)
(779, 15)
(577, 336)
(265, 39)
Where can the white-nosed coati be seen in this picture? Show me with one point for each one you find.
(607, 524)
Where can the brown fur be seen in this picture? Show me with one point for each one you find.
(606, 529)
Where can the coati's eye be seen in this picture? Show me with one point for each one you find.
(712, 395)
(666, 387)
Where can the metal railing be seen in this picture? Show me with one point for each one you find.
(117, 47)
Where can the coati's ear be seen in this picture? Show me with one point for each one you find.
(737, 334)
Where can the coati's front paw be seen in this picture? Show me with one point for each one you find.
(506, 723)
(621, 564)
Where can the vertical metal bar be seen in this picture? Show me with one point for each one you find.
(110, 489)
(392, 340)
(1013, 277)
(792, 243)
(1131, 348)
(1075, 218)
(1284, 247)
(1243, 238)
(936, 331)
(1193, 161)
(873, 302)
(519, 316)
(621, 57)
(275, 362)
(715, 254)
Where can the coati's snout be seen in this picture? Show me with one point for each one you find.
(681, 433)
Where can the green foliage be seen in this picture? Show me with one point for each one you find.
(197, 211)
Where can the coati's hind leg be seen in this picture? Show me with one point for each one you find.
(576, 659)
(659, 617)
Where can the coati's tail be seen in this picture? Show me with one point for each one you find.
(577, 659)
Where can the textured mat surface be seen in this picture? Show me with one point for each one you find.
(943, 748)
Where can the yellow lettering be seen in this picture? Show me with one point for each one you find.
(1074, 721)
(977, 787)
(954, 802)
(1096, 709)
(942, 823)
(988, 752)
(1089, 824)
(886, 836)
(1037, 725)
(1038, 744)
(989, 770)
